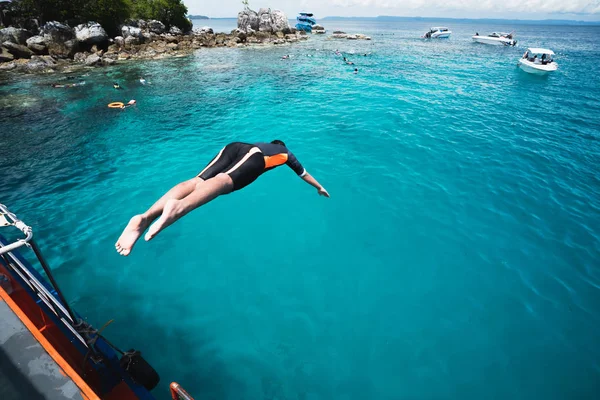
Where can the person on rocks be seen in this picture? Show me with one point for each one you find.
(236, 166)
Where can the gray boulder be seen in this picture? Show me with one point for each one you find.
(205, 30)
(7, 66)
(131, 40)
(279, 22)
(92, 59)
(90, 33)
(5, 56)
(248, 20)
(17, 50)
(148, 36)
(37, 44)
(119, 41)
(60, 39)
(175, 31)
(156, 27)
(79, 58)
(318, 29)
(14, 35)
(130, 31)
(264, 20)
(40, 63)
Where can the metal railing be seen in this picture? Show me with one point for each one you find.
(60, 308)
(178, 393)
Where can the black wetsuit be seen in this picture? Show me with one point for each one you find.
(245, 162)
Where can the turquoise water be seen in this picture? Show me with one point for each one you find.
(458, 256)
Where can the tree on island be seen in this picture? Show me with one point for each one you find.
(108, 13)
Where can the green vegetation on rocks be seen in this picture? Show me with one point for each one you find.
(109, 13)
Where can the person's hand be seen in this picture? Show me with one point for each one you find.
(323, 192)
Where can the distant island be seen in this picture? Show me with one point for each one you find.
(198, 17)
(390, 18)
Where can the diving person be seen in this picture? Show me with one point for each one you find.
(236, 166)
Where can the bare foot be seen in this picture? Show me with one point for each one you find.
(132, 232)
(170, 214)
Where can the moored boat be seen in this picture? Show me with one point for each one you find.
(496, 38)
(305, 22)
(438, 32)
(538, 61)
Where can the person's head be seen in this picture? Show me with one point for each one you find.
(278, 142)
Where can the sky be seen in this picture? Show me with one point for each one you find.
(585, 10)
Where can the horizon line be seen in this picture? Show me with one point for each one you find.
(443, 18)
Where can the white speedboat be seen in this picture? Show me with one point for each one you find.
(496, 38)
(438, 32)
(538, 61)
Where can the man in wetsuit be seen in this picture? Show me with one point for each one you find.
(236, 166)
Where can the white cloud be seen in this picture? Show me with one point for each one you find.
(524, 6)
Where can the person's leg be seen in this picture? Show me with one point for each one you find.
(244, 169)
(175, 209)
(138, 223)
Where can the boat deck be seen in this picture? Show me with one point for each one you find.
(26, 369)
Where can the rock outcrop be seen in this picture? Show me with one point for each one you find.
(264, 20)
(279, 22)
(60, 47)
(14, 35)
(17, 50)
(355, 36)
(318, 29)
(175, 31)
(157, 27)
(5, 56)
(37, 45)
(60, 39)
(128, 31)
(92, 59)
(90, 33)
(247, 20)
(204, 30)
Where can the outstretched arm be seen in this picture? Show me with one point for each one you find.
(313, 182)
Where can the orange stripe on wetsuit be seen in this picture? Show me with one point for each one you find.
(275, 160)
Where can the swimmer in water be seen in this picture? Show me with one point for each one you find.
(116, 85)
(349, 63)
(142, 81)
(236, 166)
(129, 104)
(285, 57)
(68, 85)
(356, 70)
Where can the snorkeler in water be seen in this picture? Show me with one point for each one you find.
(116, 85)
(68, 85)
(285, 57)
(142, 81)
(356, 70)
(129, 104)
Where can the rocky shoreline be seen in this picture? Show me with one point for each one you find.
(58, 47)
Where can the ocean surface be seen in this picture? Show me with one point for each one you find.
(457, 258)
